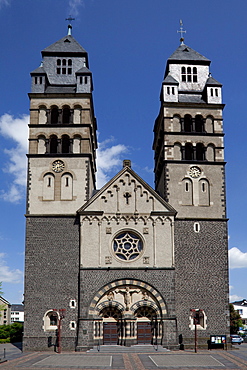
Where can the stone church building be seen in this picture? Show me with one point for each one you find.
(125, 264)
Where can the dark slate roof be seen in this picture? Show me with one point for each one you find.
(190, 98)
(185, 53)
(61, 89)
(66, 45)
(212, 82)
(170, 80)
(83, 70)
(240, 303)
(17, 307)
(39, 70)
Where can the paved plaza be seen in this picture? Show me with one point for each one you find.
(129, 360)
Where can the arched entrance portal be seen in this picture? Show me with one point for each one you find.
(128, 312)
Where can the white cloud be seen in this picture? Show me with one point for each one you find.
(4, 2)
(237, 259)
(235, 297)
(74, 7)
(15, 129)
(108, 159)
(7, 275)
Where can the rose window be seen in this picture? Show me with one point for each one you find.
(127, 246)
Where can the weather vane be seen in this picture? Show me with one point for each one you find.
(181, 32)
(69, 25)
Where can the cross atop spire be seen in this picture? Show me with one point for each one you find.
(181, 32)
(69, 25)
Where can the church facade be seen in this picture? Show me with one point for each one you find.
(126, 264)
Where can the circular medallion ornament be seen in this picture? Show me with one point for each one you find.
(58, 166)
(195, 172)
(127, 246)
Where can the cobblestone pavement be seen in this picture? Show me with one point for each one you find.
(215, 359)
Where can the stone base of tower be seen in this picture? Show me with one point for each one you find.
(48, 343)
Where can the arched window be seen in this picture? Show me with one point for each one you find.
(66, 187)
(54, 115)
(194, 74)
(200, 152)
(183, 74)
(41, 144)
(199, 123)
(187, 192)
(50, 321)
(48, 186)
(204, 193)
(188, 153)
(211, 152)
(66, 115)
(65, 144)
(53, 144)
(187, 123)
(177, 151)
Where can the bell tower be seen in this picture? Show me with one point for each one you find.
(62, 130)
(190, 176)
(188, 137)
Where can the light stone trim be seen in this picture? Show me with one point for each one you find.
(161, 305)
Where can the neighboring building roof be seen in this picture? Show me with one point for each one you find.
(240, 303)
(4, 301)
(65, 45)
(17, 307)
(170, 80)
(213, 82)
(185, 53)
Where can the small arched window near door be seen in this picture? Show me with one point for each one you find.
(50, 321)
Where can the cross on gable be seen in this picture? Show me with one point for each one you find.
(127, 196)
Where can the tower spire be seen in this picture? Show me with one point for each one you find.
(69, 25)
(181, 31)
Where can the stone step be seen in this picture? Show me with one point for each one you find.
(120, 349)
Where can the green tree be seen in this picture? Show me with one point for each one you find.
(235, 320)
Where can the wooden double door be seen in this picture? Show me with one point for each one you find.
(144, 333)
(110, 333)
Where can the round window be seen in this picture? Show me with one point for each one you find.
(127, 246)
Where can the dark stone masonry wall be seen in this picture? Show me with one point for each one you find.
(201, 261)
(51, 278)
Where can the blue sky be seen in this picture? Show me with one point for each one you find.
(128, 43)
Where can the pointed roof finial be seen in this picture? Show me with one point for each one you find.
(181, 32)
(69, 25)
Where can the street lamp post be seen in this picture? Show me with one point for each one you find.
(61, 316)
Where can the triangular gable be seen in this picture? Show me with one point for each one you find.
(127, 193)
